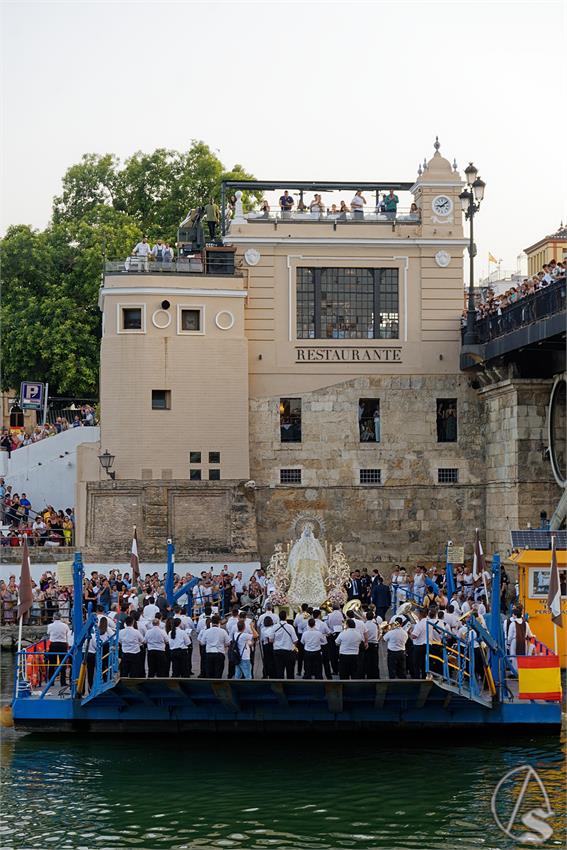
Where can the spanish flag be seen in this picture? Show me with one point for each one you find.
(539, 677)
(492, 258)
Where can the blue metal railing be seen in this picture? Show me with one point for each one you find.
(107, 661)
(452, 657)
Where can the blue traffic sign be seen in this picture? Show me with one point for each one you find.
(31, 395)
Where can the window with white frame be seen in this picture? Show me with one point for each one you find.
(190, 319)
(131, 318)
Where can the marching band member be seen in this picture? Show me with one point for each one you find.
(371, 667)
(396, 639)
(349, 641)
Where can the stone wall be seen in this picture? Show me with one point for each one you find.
(208, 520)
(519, 481)
(379, 526)
(331, 454)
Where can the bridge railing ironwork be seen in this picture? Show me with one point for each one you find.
(539, 305)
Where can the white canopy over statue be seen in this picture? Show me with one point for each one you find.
(308, 568)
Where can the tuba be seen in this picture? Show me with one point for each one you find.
(352, 608)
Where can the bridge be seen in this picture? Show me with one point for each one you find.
(530, 333)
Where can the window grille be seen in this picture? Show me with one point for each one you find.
(290, 476)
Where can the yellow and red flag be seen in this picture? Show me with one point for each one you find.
(539, 677)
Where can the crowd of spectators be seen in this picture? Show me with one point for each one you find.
(387, 205)
(495, 305)
(12, 439)
(19, 521)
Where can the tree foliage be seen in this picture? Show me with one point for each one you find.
(49, 314)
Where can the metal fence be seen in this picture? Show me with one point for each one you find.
(539, 305)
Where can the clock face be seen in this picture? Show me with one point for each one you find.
(442, 205)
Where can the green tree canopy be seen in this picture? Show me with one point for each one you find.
(50, 316)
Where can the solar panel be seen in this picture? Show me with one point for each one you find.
(538, 538)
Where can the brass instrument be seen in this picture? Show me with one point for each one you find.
(352, 608)
(408, 610)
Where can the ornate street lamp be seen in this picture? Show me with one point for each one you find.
(107, 462)
(471, 198)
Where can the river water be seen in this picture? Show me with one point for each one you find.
(355, 791)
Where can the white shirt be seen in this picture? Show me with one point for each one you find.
(434, 636)
(244, 642)
(150, 611)
(215, 639)
(284, 635)
(231, 625)
(418, 633)
(156, 638)
(130, 640)
(371, 631)
(451, 620)
(313, 639)
(357, 202)
(300, 623)
(335, 621)
(142, 249)
(396, 639)
(349, 642)
(91, 649)
(58, 632)
(323, 628)
(238, 585)
(180, 641)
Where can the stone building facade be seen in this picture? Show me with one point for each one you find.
(321, 377)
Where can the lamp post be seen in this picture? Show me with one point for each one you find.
(107, 462)
(471, 199)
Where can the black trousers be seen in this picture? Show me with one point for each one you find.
(300, 654)
(157, 663)
(333, 652)
(371, 667)
(90, 668)
(312, 665)
(180, 663)
(435, 658)
(419, 661)
(212, 225)
(284, 660)
(203, 657)
(410, 659)
(269, 664)
(214, 665)
(131, 665)
(348, 665)
(326, 658)
(61, 650)
(396, 664)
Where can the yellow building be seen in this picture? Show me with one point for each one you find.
(552, 247)
(317, 372)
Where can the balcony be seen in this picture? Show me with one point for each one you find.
(316, 203)
(215, 260)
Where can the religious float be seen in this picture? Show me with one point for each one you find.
(512, 694)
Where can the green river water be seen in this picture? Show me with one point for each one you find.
(244, 791)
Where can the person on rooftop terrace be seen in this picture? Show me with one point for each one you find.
(357, 205)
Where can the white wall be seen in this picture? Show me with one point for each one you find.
(47, 471)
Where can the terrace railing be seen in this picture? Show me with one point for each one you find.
(369, 214)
